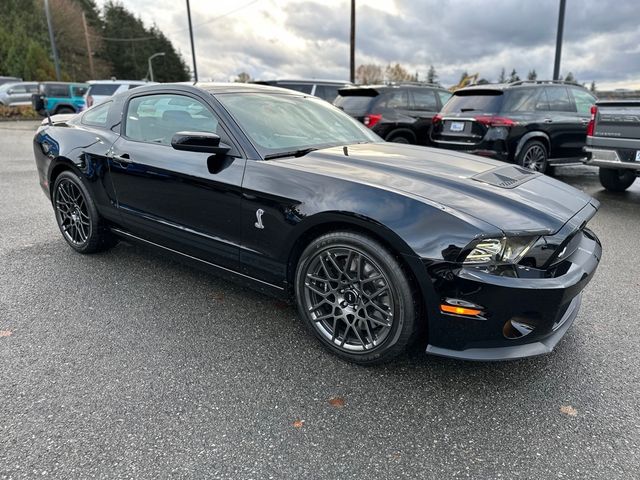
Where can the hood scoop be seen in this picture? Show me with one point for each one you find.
(508, 176)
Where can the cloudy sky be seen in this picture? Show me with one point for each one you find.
(310, 38)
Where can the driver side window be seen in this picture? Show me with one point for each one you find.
(156, 118)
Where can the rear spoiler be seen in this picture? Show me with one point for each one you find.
(358, 92)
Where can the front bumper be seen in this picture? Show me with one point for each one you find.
(547, 304)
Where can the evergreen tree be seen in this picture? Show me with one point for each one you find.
(532, 75)
(432, 76)
(570, 78)
(592, 88)
(503, 76)
(514, 76)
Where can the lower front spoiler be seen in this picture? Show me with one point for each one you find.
(540, 347)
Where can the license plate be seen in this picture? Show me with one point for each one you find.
(457, 126)
(637, 155)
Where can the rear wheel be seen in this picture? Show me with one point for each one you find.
(65, 110)
(533, 156)
(355, 297)
(399, 138)
(77, 217)
(616, 179)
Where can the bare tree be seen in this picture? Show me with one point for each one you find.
(243, 77)
(369, 73)
(397, 73)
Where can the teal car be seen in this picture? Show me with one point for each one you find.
(59, 97)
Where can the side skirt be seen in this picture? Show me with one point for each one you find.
(226, 273)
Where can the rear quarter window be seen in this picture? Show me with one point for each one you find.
(354, 105)
(97, 116)
(522, 100)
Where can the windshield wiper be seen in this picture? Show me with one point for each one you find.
(293, 153)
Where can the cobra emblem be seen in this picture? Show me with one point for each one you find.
(258, 223)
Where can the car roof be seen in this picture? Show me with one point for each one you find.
(233, 87)
(371, 90)
(519, 84)
(316, 81)
(122, 82)
(65, 83)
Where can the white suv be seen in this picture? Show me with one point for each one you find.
(101, 90)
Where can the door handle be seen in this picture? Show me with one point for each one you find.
(548, 120)
(124, 158)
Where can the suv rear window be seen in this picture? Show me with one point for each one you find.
(487, 101)
(354, 105)
(103, 89)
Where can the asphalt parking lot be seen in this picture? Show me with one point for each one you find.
(129, 365)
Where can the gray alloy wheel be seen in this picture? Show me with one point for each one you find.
(533, 156)
(355, 297)
(77, 217)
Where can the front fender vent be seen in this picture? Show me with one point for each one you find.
(507, 176)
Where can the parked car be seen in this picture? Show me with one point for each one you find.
(101, 90)
(14, 94)
(398, 113)
(59, 97)
(374, 241)
(4, 80)
(324, 89)
(613, 142)
(532, 123)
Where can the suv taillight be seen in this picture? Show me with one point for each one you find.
(371, 119)
(437, 118)
(592, 121)
(89, 101)
(494, 121)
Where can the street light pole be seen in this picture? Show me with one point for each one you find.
(556, 65)
(159, 54)
(193, 50)
(352, 59)
(52, 39)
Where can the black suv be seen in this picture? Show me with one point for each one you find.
(398, 113)
(533, 123)
(324, 89)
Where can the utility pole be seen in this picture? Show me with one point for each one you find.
(56, 62)
(352, 61)
(89, 52)
(193, 50)
(556, 65)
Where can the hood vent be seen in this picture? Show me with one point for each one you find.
(508, 176)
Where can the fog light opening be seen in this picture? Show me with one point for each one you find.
(515, 329)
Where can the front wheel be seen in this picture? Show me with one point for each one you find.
(356, 298)
(77, 217)
(616, 179)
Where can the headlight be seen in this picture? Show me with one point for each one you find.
(499, 250)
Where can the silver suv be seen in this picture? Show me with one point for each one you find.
(19, 93)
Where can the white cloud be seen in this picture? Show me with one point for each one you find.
(288, 38)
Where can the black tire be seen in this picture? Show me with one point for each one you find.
(534, 156)
(77, 217)
(359, 316)
(61, 110)
(616, 179)
(399, 138)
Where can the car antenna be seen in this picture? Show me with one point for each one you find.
(345, 150)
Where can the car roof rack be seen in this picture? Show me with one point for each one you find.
(559, 82)
(414, 84)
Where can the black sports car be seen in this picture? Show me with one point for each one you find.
(376, 242)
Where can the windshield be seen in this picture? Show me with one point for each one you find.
(488, 101)
(277, 123)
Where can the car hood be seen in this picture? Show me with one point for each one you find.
(508, 197)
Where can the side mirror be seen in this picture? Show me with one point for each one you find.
(199, 142)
